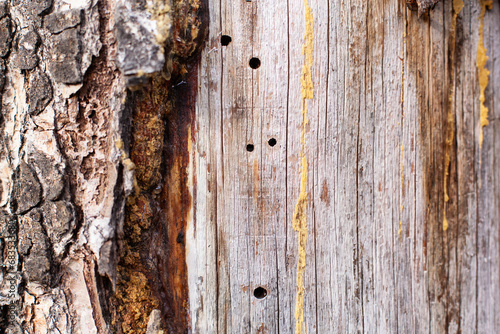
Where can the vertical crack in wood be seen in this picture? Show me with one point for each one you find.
(458, 5)
(89, 274)
(300, 214)
(401, 164)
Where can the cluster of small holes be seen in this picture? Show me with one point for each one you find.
(272, 142)
(254, 62)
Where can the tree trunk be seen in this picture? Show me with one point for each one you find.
(260, 166)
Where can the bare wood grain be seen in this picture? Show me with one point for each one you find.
(375, 147)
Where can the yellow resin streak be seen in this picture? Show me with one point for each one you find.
(450, 121)
(483, 73)
(300, 214)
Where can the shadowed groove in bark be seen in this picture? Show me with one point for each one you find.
(95, 113)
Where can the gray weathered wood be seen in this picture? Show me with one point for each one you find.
(378, 258)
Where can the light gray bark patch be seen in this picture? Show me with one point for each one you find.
(65, 57)
(107, 265)
(59, 21)
(27, 191)
(26, 47)
(154, 323)
(58, 219)
(14, 328)
(138, 50)
(34, 247)
(5, 220)
(4, 10)
(32, 10)
(2, 74)
(49, 175)
(40, 93)
(5, 36)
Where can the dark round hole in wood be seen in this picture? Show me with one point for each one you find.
(225, 40)
(250, 147)
(260, 292)
(272, 142)
(254, 63)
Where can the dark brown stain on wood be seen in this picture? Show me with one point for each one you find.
(175, 204)
(436, 74)
(154, 245)
(412, 4)
(324, 194)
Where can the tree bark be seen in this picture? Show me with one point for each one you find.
(195, 166)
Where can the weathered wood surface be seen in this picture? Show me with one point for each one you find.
(349, 183)
(378, 257)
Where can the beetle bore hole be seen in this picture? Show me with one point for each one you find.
(250, 147)
(272, 142)
(260, 292)
(225, 40)
(254, 63)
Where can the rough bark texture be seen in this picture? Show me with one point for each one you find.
(193, 166)
(81, 260)
(59, 164)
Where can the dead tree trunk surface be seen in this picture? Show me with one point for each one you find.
(263, 166)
